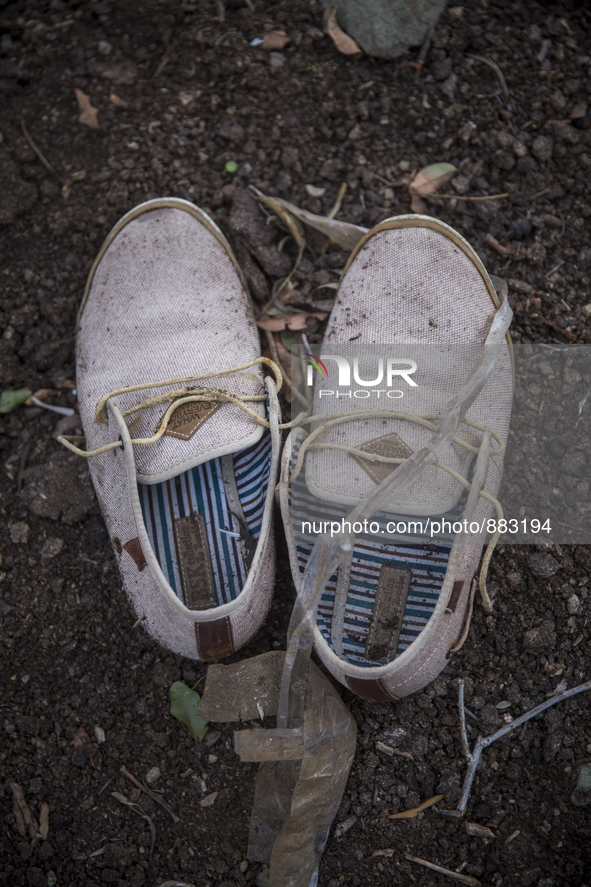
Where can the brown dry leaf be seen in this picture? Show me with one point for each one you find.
(41, 394)
(342, 41)
(274, 40)
(44, 820)
(479, 831)
(25, 821)
(81, 738)
(88, 114)
(388, 852)
(208, 800)
(288, 321)
(69, 181)
(417, 204)
(117, 101)
(432, 177)
(414, 811)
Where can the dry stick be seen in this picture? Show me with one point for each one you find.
(494, 67)
(473, 757)
(463, 879)
(457, 197)
(41, 157)
(150, 794)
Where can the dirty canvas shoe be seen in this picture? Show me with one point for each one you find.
(181, 428)
(400, 602)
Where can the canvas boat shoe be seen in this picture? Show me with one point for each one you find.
(181, 417)
(400, 602)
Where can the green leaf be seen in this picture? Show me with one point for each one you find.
(231, 166)
(10, 400)
(290, 340)
(184, 706)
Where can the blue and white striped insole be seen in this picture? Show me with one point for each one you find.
(200, 491)
(427, 561)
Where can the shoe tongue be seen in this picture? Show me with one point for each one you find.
(198, 431)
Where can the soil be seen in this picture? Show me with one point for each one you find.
(179, 94)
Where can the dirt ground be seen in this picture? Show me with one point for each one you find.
(83, 692)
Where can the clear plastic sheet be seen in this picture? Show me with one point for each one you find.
(298, 793)
(306, 759)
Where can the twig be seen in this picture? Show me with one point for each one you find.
(484, 197)
(41, 157)
(463, 879)
(150, 794)
(422, 56)
(137, 809)
(555, 268)
(337, 204)
(494, 67)
(473, 757)
(543, 321)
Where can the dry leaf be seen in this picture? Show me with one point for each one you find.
(313, 191)
(341, 233)
(274, 40)
(41, 394)
(414, 811)
(88, 114)
(432, 177)
(388, 852)
(417, 204)
(117, 101)
(44, 820)
(288, 321)
(25, 821)
(208, 800)
(342, 41)
(479, 831)
(69, 181)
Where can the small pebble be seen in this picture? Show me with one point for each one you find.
(276, 60)
(25, 679)
(556, 448)
(243, 866)
(581, 796)
(542, 148)
(212, 759)
(573, 604)
(520, 228)
(153, 775)
(99, 734)
(104, 48)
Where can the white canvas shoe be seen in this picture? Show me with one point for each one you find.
(399, 606)
(185, 480)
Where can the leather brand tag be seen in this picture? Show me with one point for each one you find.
(391, 446)
(388, 614)
(194, 562)
(190, 416)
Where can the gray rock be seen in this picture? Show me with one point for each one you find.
(276, 60)
(581, 797)
(542, 148)
(387, 28)
(543, 564)
(573, 604)
(539, 639)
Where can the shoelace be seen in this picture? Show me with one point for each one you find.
(184, 395)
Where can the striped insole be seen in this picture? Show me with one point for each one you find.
(426, 559)
(200, 491)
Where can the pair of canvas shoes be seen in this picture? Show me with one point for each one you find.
(183, 433)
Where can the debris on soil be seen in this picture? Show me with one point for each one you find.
(342, 41)
(184, 706)
(88, 113)
(10, 400)
(414, 811)
(581, 797)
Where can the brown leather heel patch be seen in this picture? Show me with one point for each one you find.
(214, 639)
(372, 690)
(134, 550)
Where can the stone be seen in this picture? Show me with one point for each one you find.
(573, 604)
(263, 877)
(586, 309)
(539, 639)
(542, 148)
(276, 60)
(387, 28)
(581, 797)
(153, 775)
(61, 488)
(52, 547)
(19, 532)
(543, 564)
(556, 449)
